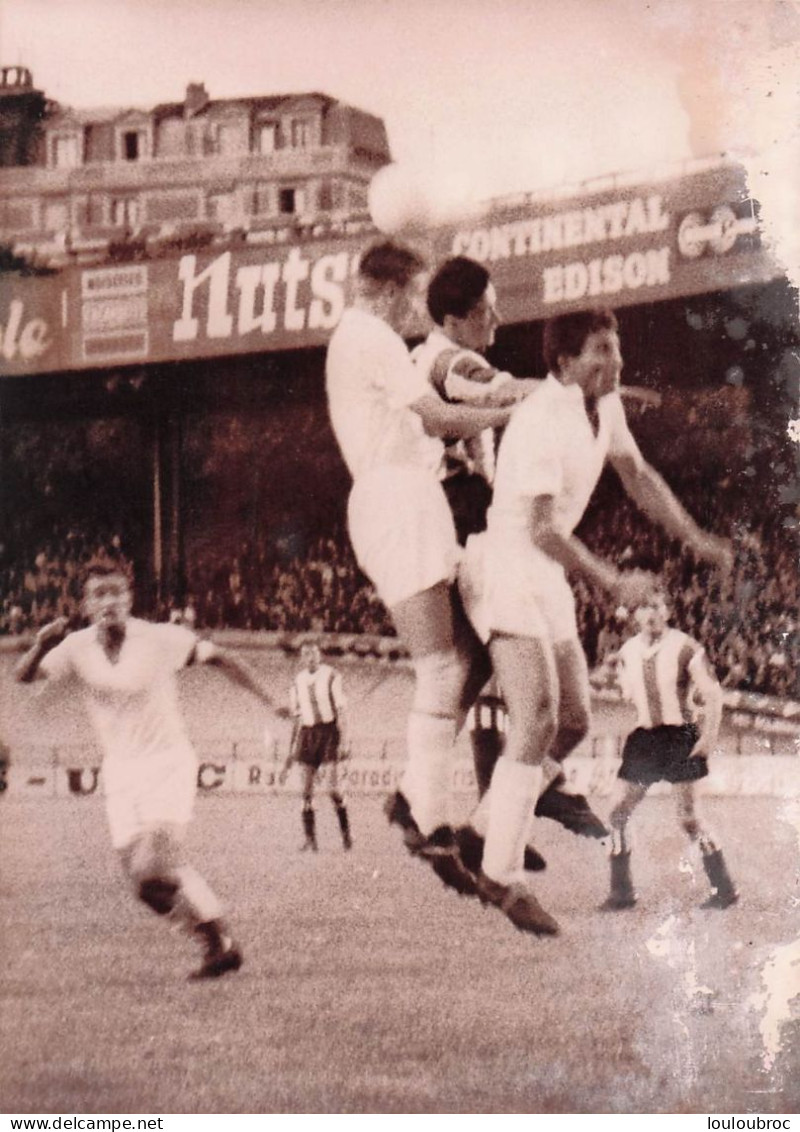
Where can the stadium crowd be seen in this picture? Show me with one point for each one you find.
(750, 627)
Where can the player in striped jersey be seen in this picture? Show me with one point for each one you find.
(318, 706)
(462, 302)
(665, 673)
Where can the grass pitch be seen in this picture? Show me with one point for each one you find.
(369, 988)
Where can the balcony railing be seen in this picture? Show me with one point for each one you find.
(175, 172)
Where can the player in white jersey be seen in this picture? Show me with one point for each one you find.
(515, 579)
(462, 302)
(666, 675)
(317, 704)
(126, 669)
(389, 424)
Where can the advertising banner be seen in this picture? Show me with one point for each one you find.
(620, 245)
(33, 324)
(615, 246)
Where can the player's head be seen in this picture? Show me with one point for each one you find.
(652, 616)
(463, 302)
(390, 279)
(107, 594)
(310, 655)
(583, 348)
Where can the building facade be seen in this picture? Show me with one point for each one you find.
(86, 185)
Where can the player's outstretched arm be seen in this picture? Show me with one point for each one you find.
(470, 380)
(46, 639)
(640, 395)
(652, 493)
(628, 587)
(234, 669)
(439, 418)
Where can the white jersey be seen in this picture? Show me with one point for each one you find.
(132, 702)
(549, 449)
(371, 382)
(659, 678)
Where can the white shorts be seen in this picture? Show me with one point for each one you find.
(520, 595)
(142, 793)
(402, 532)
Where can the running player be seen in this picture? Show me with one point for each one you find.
(318, 707)
(515, 577)
(389, 424)
(126, 668)
(665, 673)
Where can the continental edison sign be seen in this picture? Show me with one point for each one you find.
(616, 246)
(619, 247)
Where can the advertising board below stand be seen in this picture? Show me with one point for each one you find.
(758, 754)
(618, 246)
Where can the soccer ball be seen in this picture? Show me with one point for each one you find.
(399, 201)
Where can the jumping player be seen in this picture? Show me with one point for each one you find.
(515, 577)
(126, 668)
(318, 707)
(462, 303)
(389, 425)
(662, 670)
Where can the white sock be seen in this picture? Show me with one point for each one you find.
(196, 903)
(480, 815)
(427, 777)
(513, 793)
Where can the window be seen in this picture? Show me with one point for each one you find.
(301, 133)
(130, 145)
(66, 151)
(325, 199)
(262, 199)
(267, 137)
(91, 211)
(221, 207)
(231, 139)
(125, 212)
(290, 201)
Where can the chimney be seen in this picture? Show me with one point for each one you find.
(196, 99)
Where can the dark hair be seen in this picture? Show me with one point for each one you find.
(567, 333)
(455, 288)
(105, 568)
(390, 263)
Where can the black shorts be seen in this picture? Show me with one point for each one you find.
(318, 744)
(469, 496)
(652, 754)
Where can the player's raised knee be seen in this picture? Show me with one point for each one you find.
(158, 893)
